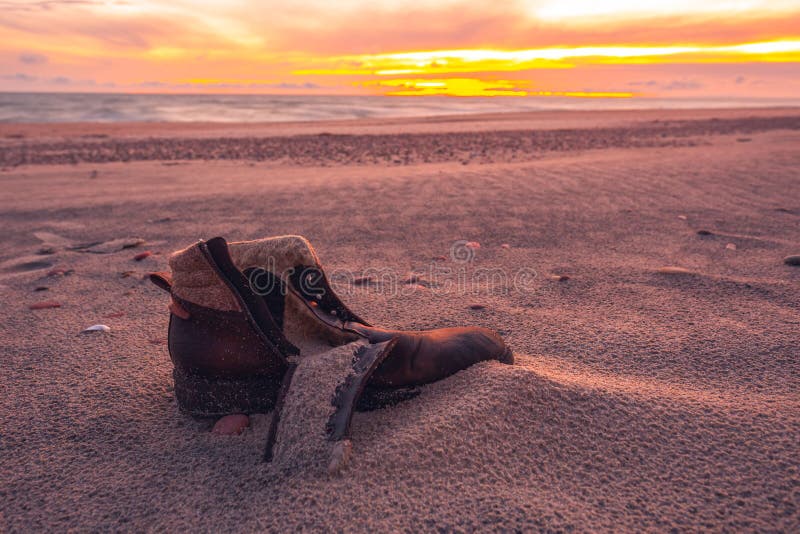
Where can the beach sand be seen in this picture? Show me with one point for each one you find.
(642, 398)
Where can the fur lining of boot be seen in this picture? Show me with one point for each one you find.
(195, 280)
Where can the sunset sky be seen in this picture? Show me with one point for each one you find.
(616, 48)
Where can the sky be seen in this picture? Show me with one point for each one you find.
(578, 48)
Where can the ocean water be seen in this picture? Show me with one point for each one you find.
(115, 107)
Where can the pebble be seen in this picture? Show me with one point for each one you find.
(142, 255)
(472, 244)
(559, 277)
(60, 272)
(42, 288)
(682, 217)
(792, 260)
(477, 307)
(674, 270)
(730, 246)
(44, 305)
(231, 425)
(97, 328)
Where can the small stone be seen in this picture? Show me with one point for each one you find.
(674, 270)
(44, 305)
(477, 307)
(231, 425)
(97, 328)
(730, 246)
(559, 277)
(42, 288)
(60, 272)
(472, 244)
(142, 255)
(793, 260)
(705, 232)
(505, 245)
(682, 217)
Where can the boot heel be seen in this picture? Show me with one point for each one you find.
(215, 397)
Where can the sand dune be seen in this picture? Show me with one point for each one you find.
(640, 401)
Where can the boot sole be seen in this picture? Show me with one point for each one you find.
(216, 397)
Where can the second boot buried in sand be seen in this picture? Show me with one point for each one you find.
(244, 314)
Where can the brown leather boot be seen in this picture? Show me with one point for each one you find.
(240, 311)
(228, 352)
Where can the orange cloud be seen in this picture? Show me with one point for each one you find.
(388, 46)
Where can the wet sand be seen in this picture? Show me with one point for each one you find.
(643, 399)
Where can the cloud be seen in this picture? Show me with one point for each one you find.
(19, 77)
(31, 58)
(307, 85)
(682, 85)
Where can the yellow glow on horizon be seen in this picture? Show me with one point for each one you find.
(477, 60)
(464, 87)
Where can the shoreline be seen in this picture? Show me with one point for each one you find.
(546, 119)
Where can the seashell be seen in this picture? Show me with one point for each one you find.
(98, 328)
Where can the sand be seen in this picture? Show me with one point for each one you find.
(642, 398)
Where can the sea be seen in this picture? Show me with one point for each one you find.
(116, 107)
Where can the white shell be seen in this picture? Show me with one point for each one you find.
(98, 328)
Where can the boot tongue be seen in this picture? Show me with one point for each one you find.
(311, 426)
